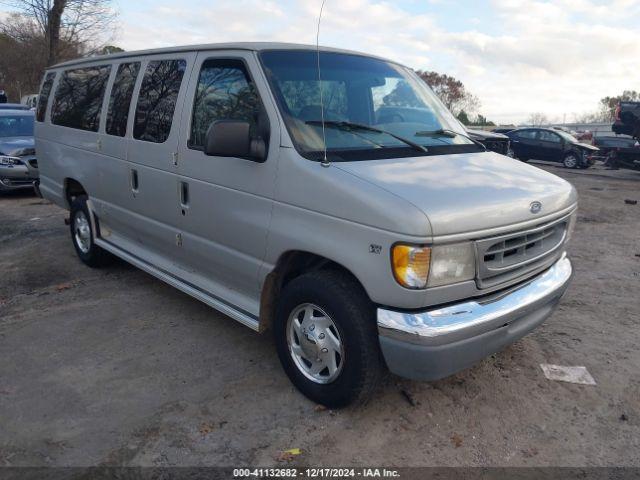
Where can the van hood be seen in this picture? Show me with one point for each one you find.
(464, 193)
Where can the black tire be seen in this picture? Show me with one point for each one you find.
(345, 302)
(90, 253)
(571, 160)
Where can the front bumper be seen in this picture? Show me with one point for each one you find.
(16, 177)
(436, 343)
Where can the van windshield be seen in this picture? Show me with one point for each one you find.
(359, 92)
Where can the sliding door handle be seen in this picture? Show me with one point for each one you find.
(134, 181)
(184, 195)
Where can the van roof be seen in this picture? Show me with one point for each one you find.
(252, 46)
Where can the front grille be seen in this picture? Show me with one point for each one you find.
(508, 257)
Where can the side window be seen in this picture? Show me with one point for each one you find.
(43, 98)
(224, 92)
(121, 93)
(526, 134)
(78, 99)
(157, 100)
(546, 136)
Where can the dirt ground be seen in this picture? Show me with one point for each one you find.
(113, 367)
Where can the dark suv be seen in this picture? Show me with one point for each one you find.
(552, 145)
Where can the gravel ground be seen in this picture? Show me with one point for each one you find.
(113, 367)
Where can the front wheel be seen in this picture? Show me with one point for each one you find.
(571, 160)
(326, 338)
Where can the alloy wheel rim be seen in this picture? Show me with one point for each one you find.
(82, 232)
(570, 161)
(315, 344)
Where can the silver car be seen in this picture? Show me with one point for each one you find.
(365, 240)
(18, 163)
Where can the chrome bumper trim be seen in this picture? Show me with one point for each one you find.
(471, 318)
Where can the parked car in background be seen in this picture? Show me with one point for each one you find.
(552, 145)
(627, 119)
(496, 142)
(14, 106)
(503, 130)
(18, 164)
(618, 151)
(584, 136)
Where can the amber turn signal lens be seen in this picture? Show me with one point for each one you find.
(411, 265)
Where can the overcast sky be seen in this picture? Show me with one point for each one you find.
(557, 57)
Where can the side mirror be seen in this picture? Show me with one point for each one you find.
(232, 138)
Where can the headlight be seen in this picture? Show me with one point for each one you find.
(410, 265)
(418, 267)
(10, 161)
(452, 264)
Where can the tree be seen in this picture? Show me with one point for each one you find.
(608, 104)
(109, 49)
(20, 39)
(481, 120)
(67, 22)
(537, 119)
(451, 91)
(463, 117)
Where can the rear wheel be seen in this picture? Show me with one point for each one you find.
(326, 338)
(571, 160)
(82, 235)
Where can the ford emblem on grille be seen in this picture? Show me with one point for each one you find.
(535, 207)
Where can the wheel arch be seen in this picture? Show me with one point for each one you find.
(290, 265)
(72, 188)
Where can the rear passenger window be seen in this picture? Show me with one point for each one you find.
(43, 98)
(78, 99)
(224, 92)
(157, 100)
(121, 93)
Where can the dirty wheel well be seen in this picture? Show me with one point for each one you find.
(73, 189)
(290, 266)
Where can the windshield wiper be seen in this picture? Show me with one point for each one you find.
(445, 132)
(349, 126)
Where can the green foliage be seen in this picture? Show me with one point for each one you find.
(109, 49)
(463, 117)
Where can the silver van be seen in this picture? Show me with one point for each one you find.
(326, 195)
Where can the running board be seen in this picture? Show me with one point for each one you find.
(182, 285)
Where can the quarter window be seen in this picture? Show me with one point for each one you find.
(224, 92)
(43, 98)
(121, 93)
(78, 99)
(157, 100)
